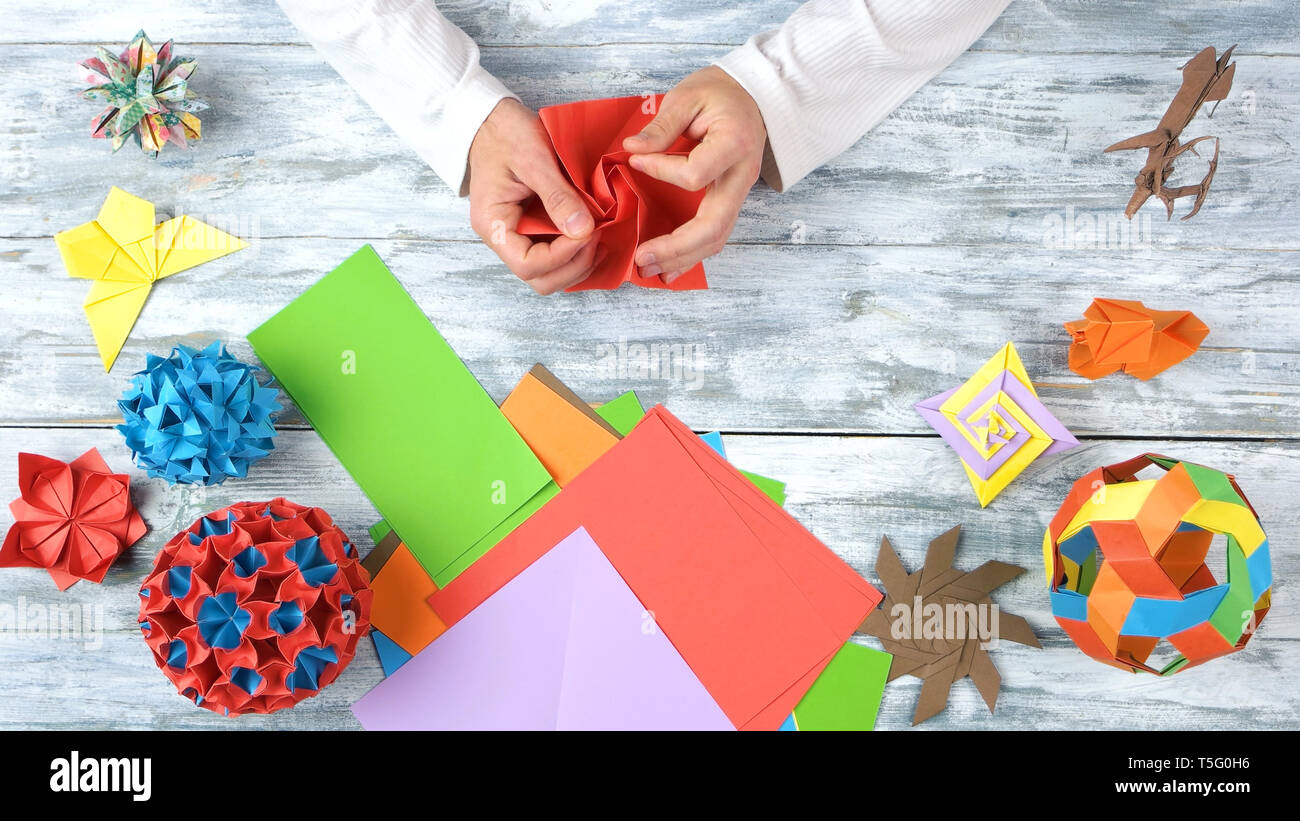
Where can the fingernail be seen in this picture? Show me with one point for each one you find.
(651, 271)
(668, 278)
(577, 224)
(640, 136)
(646, 259)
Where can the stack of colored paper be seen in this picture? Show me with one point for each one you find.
(544, 565)
(754, 603)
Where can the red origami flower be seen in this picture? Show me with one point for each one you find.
(255, 607)
(630, 207)
(74, 520)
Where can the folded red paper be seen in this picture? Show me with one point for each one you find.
(73, 519)
(753, 602)
(629, 207)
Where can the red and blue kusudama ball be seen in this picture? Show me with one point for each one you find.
(255, 607)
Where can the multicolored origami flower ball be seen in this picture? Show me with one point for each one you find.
(74, 519)
(1126, 563)
(148, 96)
(255, 607)
(198, 417)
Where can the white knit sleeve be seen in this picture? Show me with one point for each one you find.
(836, 68)
(413, 67)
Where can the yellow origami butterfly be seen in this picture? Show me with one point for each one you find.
(125, 254)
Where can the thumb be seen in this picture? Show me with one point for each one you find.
(668, 124)
(563, 203)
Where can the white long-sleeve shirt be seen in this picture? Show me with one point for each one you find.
(822, 79)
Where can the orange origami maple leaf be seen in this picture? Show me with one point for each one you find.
(1116, 333)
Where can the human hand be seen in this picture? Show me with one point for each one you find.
(510, 162)
(711, 107)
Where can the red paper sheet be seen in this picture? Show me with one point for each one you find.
(756, 605)
(629, 207)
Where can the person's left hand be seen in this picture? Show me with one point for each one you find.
(711, 107)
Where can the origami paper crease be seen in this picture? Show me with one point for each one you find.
(629, 207)
(125, 253)
(255, 607)
(996, 423)
(1205, 80)
(944, 651)
(72, 519)
(198, 417)
(148, 96)
(1126, 563)
(1116, 333)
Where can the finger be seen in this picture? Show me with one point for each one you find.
(674, 116)
(562, 201)
(702, 236)
(707, 161)
(571, 274)
(524, 257)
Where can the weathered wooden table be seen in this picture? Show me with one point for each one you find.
(885, 277)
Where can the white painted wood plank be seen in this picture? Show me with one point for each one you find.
(1002, 149)
(1261, 26)
(847, 490)
(788, 338)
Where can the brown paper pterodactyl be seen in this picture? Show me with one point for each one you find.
(1205, 80)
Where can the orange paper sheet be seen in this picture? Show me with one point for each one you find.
(564, 438)
(400, 608)
(629, 207)
(754, 603)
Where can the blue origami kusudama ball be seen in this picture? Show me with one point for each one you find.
(198, 417)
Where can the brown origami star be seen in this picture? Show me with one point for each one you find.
(938, 621)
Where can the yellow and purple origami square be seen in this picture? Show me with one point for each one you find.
(996, 423)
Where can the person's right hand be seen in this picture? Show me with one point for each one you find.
(510, 161)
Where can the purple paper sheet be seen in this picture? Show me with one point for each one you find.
(564, 645)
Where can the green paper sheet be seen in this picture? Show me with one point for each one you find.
(402, 413)
(623, 413)
(379, 530)
(497, 533)
(773, 489)
(846, 696)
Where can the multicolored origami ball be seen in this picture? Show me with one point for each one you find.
(198, 417)
(255, 607)
(1126, 563)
